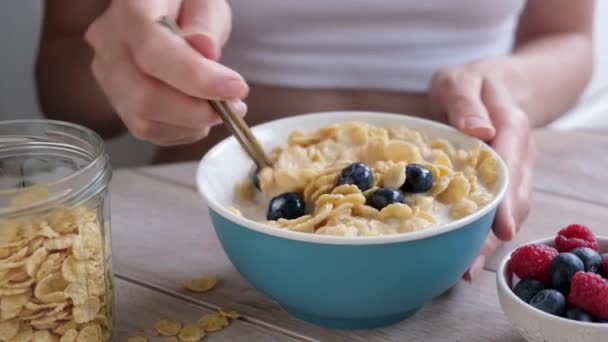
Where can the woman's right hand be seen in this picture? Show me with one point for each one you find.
(157, 82)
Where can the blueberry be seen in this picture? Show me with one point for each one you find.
(385, 196)
(591, 259)
(578, 315)
(288, 206)
(359, 174)
(528, 288)
(562, 269)
(417, 179)
(550, 301)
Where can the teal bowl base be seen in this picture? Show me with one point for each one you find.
(350, 324)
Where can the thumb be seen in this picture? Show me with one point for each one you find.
(205, 25)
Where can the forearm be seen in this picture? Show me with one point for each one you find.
(66, 87)
(549, 73)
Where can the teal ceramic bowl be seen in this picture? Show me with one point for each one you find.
(341, 282)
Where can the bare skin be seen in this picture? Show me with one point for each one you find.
(136, 83)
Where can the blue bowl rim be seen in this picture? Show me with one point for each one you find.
(345, 116)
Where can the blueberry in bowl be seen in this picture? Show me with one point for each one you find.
(359, 174)
(385, 196)
(418, 179)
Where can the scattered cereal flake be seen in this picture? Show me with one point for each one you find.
(90, 333)
(9, 329)
(137, 339)
(191, 333)
(232, 314)
(167, 327)
(87, 311)
(202, 284)
(69, 336)
(213, 322)
(44, 336)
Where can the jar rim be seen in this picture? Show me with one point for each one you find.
(95, 157)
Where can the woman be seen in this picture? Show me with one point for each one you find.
(491, 68)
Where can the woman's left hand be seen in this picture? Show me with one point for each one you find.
(474, 99)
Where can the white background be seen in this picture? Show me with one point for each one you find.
(20, 25)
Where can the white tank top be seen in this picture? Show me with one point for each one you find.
(369, 44)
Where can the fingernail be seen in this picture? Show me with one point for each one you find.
(478, 127)
(233, 89)
(204, 44)
(239, 107)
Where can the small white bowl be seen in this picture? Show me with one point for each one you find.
(536, 325)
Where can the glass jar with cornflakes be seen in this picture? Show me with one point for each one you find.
(55, 257)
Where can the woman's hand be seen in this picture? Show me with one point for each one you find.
(474, 99)
(158, 82)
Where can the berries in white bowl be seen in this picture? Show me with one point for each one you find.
(556, 289)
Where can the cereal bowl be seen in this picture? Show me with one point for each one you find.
(536, 325)
(336, 281)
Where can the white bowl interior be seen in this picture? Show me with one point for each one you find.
(227, 163)
(535, 324)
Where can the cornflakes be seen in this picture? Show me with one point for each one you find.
(50, 289)
(213, 322)
(191, 333)
(167, 327)
(311, 163)
(230, 314)
(203, 284)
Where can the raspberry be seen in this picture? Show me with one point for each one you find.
(589, 291)
(574, 236)
(532, 261)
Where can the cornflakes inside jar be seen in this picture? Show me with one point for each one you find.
(357, 179)
(55, 256)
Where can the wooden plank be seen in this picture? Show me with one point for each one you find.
(162, 236)
(550, 213)
(570, 163)
(138, 308)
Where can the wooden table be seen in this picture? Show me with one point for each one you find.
(162, 237)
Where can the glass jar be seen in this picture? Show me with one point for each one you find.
(55, 256)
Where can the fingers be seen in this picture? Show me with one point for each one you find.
(514, 144)
(477, 266)
(475, 269)
(158, 84)
(459, 95)
(153, 111)
(169, 58)
(206, 25)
